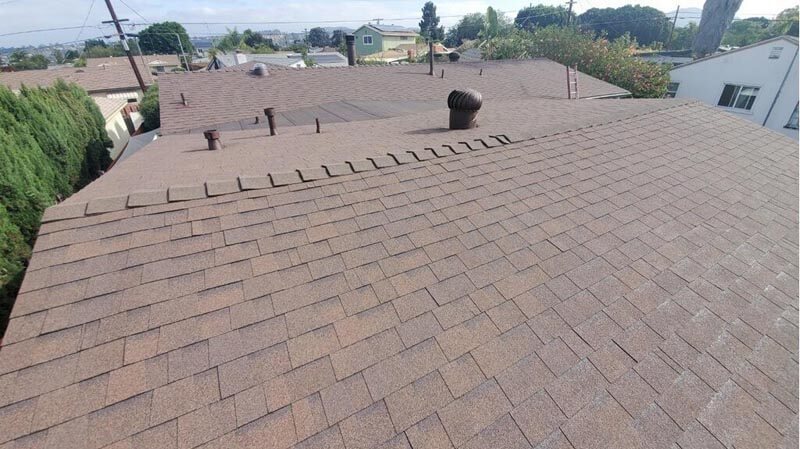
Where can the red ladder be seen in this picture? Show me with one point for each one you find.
(572, 82)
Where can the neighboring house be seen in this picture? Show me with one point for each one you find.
(282, 59)
(378, 38)
(116, 111)
(155, 63)
(758, 82)
(109, 81)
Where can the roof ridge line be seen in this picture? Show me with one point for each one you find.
(233, 69)
(213, 188)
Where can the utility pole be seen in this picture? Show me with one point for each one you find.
(672, 30)
(125, 46)
(182, 53)
(569, 11)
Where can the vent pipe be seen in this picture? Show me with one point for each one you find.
(270, 113)
(212, 136)
(260, 69)
(350, 40)
(464, 105)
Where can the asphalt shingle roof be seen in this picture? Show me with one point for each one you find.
(221, 97)
(627, 284)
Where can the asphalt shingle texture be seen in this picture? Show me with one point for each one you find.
(222, 97)
(632, 284)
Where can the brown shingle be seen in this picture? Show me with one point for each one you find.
(132, 332)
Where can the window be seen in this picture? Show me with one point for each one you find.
(672, 89)
(775, 53)
(738, 97)
(792, 123)
(367, 39)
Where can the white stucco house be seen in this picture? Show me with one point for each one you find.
(758, 82)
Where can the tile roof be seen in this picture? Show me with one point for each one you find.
(220, 97)
(627, 284)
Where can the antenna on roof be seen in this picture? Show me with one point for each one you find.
(378, 21)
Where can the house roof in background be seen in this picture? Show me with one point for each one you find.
(220, 97)
(123, 60)
(391, 30)
(624, 283)
(790, 39)
(285, 59)
(113, 77)
(109, 106)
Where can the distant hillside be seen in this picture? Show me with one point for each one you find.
(684, 16)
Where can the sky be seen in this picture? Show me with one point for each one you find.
(24, 15)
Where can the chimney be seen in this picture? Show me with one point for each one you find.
(239, 57)
(464, 106)
(350, 40)
(212, 135)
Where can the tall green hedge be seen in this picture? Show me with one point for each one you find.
(52, 142)
(609, 60)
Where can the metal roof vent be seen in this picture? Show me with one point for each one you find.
(260, 69)
(464, 105)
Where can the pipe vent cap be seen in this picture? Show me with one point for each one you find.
(465, 100)
(260, 69)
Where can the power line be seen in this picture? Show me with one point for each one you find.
(85, 19)
(41, 30)
(134, 11)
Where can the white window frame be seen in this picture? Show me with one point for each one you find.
(792, 118)
(364, 39)
(735, 98)
(672, 92)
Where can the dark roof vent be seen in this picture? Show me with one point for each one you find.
(465, 99)
(260, 69)
(464, 106)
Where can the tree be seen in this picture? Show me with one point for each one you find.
(230, 41)
(429, 25)
(647, 25)
(318, 37)
(20, 60)
(683, 37)
(337, 38)
(90, 43)
(785, 23)
(71, 55)
(468, 28)
(160, 38)
(611, 61)
(150, 110)
(747, 31)
(253, 39)
(540, 15)
(52, 142)
(716, 17)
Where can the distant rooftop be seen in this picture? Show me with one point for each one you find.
(221, 97)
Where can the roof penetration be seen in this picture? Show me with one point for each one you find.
(222, 97)
(622, 283)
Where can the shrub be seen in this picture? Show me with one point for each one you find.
(52, 141)
(149, 109)
(610, 61)
(454, 56)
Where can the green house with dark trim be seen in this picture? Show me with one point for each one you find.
(376, 38)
